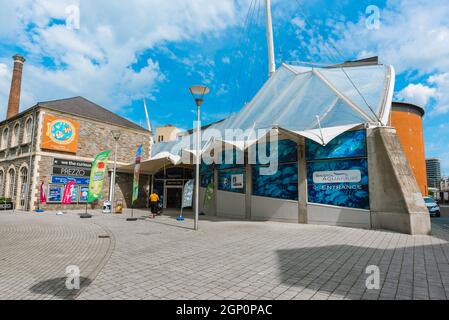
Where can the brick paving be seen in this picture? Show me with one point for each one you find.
(165, 259)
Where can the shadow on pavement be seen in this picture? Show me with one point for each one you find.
(57, 288)
(404, 272)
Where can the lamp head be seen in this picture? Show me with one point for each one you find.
(116, 134)
(198, 93)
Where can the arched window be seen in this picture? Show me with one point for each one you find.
(5, 136)
(15, 135)
(11, 179)
(2, 182)
(28, 131)
(23, 183)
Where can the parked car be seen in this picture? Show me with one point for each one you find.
(432, 206)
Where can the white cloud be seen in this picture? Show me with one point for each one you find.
(417, 93)
(441, 81)
(95, 61)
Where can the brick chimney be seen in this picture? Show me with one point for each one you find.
(16, 82)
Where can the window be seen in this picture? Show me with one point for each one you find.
(15, 135)
(2, 176)
(28, 131)
(5, 136)
(10, 183)
(23, 186)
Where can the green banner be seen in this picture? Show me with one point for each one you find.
(137, 174)
(99, 167)
(209, 194)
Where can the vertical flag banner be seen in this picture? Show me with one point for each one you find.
(42, 196)
(187, 195)
(137, 174)
(99, 167)
(68, 193)
(209, 194)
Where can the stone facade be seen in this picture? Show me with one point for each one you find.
(94, 136)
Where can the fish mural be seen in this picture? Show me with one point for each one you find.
(282, 185)
(351, 144)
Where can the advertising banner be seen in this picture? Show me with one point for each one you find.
(341, 183)
(68, 193)
(60, 134)
(97, 175)
(208, 196)
(187, 195)
(137, 174)
(42, 196)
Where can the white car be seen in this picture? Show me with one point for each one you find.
(432, 206)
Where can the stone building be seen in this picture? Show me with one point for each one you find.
(56, 141)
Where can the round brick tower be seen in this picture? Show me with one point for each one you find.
(407, 119)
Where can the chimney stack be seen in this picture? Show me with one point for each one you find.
(16, 83)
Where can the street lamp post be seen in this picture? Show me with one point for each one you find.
(116, 135)
(198, 93)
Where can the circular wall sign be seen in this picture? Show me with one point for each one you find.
(61, 132)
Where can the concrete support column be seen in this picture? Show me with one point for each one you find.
(395, 199)
(302, 184)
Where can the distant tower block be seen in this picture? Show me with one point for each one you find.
(407, 119)
(16, 83)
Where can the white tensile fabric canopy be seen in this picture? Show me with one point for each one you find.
(315, 103)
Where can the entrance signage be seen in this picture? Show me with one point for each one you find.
(342, 176)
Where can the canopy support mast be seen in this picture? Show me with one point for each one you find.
(271, 61)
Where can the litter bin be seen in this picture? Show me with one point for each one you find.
(107, 207)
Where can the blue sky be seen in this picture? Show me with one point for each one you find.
(124, 52)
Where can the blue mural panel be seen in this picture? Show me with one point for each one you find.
(206, 179)
(231, 159)
(282, 185)
(351, 144)
(341, 183)
(283, 151)
(227, 180)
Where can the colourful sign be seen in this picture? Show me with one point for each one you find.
(68, 193)
(60, 134)
(97, 175)
(65, 180)
(137, 174)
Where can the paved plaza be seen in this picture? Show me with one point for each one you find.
(165, 259)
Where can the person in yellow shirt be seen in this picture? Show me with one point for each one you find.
(154, 199)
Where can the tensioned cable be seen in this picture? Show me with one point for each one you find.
(253, 60)
(342, 69)
(246, 29)
(237, 45)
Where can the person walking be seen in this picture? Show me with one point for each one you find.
(154, 199)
